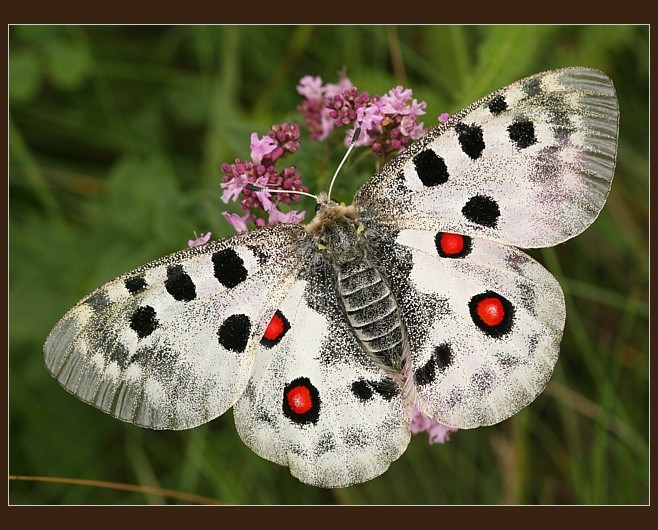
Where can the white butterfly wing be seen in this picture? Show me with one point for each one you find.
(315, 401)
(171, 344)
(254, 321)
(484, 323)
(529, 165)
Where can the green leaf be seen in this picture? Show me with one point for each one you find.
(24, 75)
(68, 63)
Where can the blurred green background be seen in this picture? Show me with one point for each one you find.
(117, 134)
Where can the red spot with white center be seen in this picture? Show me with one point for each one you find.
(491, 311)
(299, 399)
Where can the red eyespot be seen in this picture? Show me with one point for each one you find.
(275, 331)
(491, 311)
(299, 399)
(275, 328)
(452, 243)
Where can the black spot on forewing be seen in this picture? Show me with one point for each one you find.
(234, 333)
(497, 105)
(229, 267)
(135, 284)
(143, 321)
(522, 133)
(179, 284)
(482, 210)
(431, 168)
(471, 139)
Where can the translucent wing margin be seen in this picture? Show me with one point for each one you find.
(170, 345)
(529, 165)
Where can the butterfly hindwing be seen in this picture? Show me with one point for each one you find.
(170, 345)
(529, 165)
(315, 401)
(484, 322)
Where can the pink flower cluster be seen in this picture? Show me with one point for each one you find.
(438, 433)
(387, 122)
(261, 171)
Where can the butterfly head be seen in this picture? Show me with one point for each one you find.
(337, 231)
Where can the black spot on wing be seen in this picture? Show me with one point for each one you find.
(135, 284)
(482, 210)
(471, 139)
(229, 267)
(234, 333)
(362, 390)
(179, 284)
(143, 321)
(365, 390)
(431, 168)
(522, 133)
(442, 357)
(497, 105)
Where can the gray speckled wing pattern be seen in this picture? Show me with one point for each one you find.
(325, 337)
(529, 165)
(171, 344)
(473, 368)
(356, 420)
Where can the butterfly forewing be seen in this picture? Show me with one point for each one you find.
(529, 165)
(170, 345)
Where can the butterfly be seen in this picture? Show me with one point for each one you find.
(323, 338)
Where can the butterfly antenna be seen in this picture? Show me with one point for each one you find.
(355, 137)
(257, 188)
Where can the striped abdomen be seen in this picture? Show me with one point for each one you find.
(372, 311)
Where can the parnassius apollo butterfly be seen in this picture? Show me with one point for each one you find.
(323, 337)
